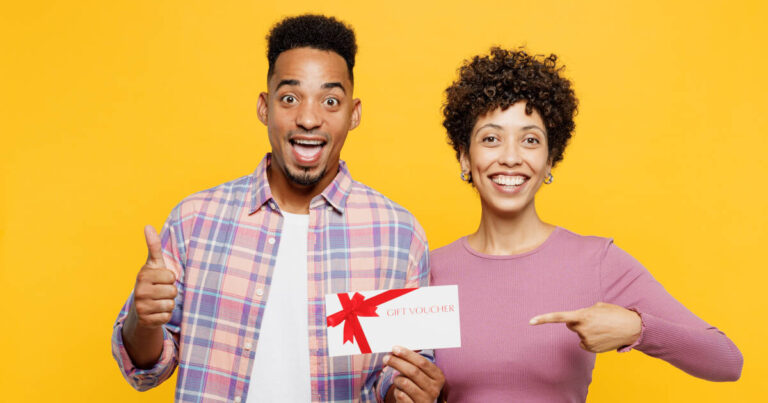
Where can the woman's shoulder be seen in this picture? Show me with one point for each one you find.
(575, 246)
(446, 263)
(447, 252)
(583, 241)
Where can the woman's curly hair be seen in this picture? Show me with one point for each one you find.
(502, 78)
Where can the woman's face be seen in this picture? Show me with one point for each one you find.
(508, 158)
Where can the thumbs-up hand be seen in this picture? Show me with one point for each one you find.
(155, 289)
(601, 327)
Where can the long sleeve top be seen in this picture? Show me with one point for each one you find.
(503, 358)
(222, 244)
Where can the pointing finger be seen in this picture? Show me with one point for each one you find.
(155, 256)
(556, 317)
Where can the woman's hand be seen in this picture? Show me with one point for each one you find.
(419, 381)
(601, 327)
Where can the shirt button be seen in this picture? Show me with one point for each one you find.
(260, 292)
(274, 207)
(248, 346)
(238, 399)
(330, 208)
(271, 241)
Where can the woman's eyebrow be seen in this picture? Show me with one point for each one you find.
(529, 127)
(491, 125)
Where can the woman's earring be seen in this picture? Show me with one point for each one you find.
(466, 176)
(549, 179)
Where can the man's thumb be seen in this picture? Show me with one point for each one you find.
(155, 256)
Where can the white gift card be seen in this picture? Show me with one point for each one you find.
(375, 321)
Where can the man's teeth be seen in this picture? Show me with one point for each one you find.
(308, 142)
(508, 180)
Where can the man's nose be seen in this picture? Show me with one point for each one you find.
(309, 117)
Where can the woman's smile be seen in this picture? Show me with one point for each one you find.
(508, 158)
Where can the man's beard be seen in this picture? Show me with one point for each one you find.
(303, 178)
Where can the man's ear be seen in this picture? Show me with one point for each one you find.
(262, 107)
(357, 113)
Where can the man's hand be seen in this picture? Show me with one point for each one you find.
(155, 290)
(152, 307)
(601, 327)
(419, 381)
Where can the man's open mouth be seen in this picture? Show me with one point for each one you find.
(307, 151)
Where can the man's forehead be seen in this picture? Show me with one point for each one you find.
(310, 67)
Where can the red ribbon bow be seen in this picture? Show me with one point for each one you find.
(359, 306)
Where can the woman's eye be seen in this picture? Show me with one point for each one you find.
(288, 99)
(332, 102)
(531, 140)
(489, 139)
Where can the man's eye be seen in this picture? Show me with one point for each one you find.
(289, 99)
(332, 102)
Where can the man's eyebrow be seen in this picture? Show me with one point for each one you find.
(335, 84)
(287, 82)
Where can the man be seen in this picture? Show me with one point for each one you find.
(233, 289)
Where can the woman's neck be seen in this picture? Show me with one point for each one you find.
(509, 234)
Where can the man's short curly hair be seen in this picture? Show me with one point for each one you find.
(311, 31)
(500, 79)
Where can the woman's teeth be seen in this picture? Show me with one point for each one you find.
(508, 180)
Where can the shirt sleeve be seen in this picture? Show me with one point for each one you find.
(669, 330)
(418, 276)
(144, 379)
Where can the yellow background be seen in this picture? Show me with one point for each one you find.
(112, 112)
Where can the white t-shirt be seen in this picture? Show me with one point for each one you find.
(281, 366)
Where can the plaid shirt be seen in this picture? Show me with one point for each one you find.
(222, 243)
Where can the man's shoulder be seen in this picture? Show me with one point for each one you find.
(364, 201)
(224, 196)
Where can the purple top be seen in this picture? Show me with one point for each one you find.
(503, 358)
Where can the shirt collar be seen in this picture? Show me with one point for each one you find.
(335, 194)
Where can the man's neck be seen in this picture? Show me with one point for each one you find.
(293, 197)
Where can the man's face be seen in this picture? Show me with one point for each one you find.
(308, 111)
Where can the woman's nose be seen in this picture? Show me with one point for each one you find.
(510, 154)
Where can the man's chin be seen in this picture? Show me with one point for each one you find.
(304, 177)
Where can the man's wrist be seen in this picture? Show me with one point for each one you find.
(144, 345)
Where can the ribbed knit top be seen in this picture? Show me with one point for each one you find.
(502, 358)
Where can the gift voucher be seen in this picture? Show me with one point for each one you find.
(374, 321)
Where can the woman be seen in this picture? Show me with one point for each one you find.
(509, 117)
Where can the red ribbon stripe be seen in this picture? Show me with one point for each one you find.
(359, 306)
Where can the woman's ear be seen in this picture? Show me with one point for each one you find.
(464, 161)
(549, 164)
